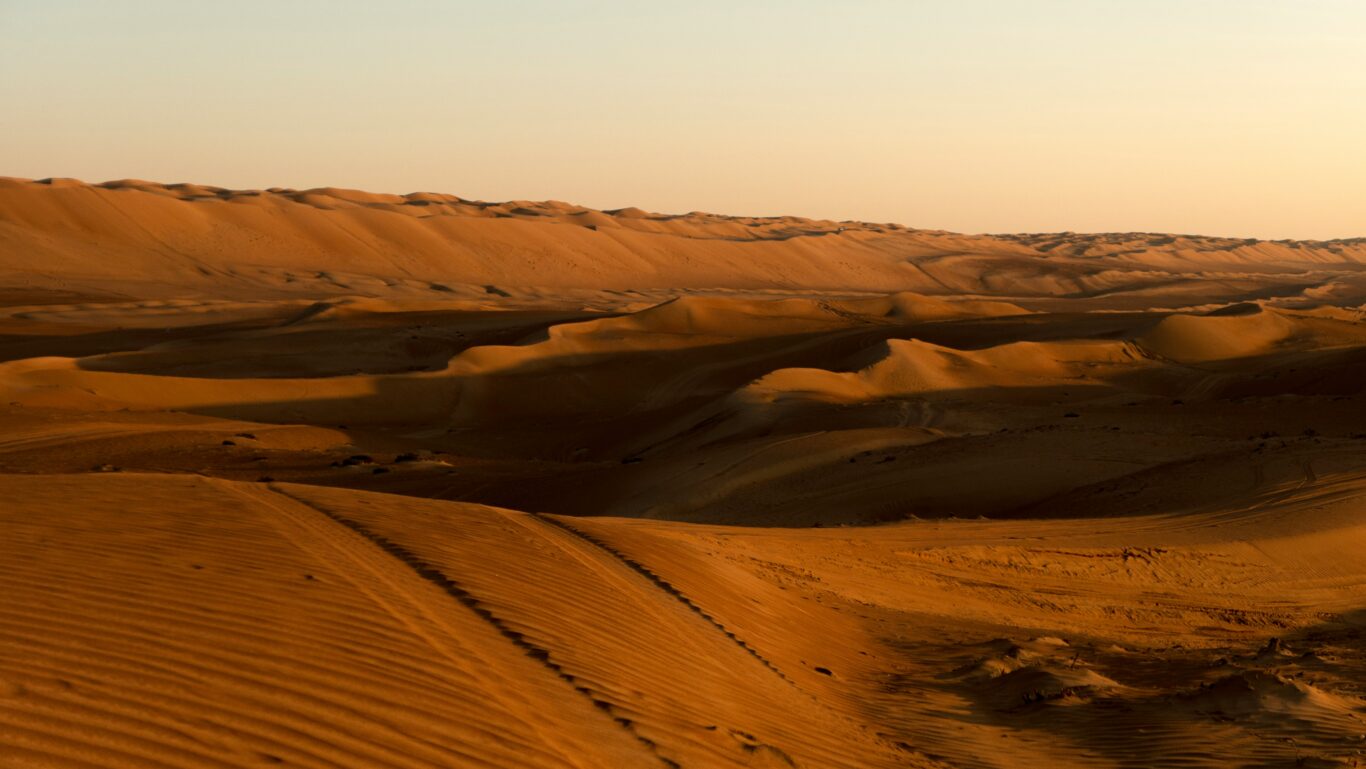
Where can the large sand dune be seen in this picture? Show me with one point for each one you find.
(150, 240)
(334, 479)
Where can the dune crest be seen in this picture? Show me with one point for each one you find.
(915, 368)
(146, 239)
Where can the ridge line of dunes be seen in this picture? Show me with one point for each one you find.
(151, 240)
(473, 379)
(585, 360)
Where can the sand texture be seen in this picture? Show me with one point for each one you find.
(327, 478)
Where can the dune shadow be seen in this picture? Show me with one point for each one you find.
(1277, 700)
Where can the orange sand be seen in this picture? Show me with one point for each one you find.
(334, 479)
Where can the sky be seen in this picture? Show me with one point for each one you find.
(1223, 117)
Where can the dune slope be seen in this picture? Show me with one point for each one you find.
(150, 240)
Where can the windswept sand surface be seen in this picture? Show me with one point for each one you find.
(144, 240)
(332, 479)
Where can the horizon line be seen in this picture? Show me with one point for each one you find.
(130, 182)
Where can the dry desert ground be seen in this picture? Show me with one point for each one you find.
(326, 478)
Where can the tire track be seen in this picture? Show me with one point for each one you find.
(667, 587)
(434, 576)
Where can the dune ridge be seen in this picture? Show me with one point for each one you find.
(148, 239)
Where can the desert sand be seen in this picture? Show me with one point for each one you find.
(326, 478)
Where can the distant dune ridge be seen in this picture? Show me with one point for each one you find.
(327, 479)
(147, 240)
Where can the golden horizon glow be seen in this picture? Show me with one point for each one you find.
(1213, 117)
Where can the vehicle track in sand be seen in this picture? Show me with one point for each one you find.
(410, 576)
(666, 587)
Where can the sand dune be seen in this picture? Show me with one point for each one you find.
(453, 624)
(914, 368)
(150, 240)
(335, 478)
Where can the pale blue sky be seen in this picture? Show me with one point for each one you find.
(1239, 117)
